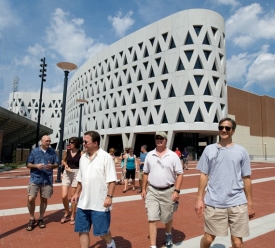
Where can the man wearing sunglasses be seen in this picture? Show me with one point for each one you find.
(225, 170)
(96, 184)
(163, 172)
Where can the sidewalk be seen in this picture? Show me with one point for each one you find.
(129, 221)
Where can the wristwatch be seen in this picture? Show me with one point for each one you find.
(178, 191)
(110, 196)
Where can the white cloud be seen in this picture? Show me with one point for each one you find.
(227, 2)
(35, 53)
(237, 67)
(67, 37)
(8, 17)
(121, 24)
(56, 89)
(246, 69)
(262, 71)
(249, 24)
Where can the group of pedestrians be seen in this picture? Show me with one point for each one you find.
(184, 157)
(224, 170)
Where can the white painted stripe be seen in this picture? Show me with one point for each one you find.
(257, 228)
(15, 211)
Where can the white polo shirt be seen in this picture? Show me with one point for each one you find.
(162, 171)
(94, 175)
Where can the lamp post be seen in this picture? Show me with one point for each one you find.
(66, 67)
(42, 75)
(81, 103)
(265, 157)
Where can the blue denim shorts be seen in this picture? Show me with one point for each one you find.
(86, 218)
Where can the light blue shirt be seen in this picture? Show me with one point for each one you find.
(225, 167)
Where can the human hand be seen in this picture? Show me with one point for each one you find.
(251, 211)
(175, 196)
(74, 198)
(40, 166)
(143, 194)
(107, 202)
(199, 207)
(48, 166)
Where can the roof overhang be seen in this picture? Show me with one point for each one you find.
(18, 129)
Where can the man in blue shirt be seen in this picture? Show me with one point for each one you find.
(142, 157)
(41, 162)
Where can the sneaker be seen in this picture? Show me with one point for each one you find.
(168, 240)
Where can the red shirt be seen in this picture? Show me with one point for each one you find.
(178, 153)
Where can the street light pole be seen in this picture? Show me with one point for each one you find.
(42, 75)
(81, 103)
(265, 156)
(66, 67)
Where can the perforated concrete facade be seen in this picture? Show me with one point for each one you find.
(27, 103)
(169, 76)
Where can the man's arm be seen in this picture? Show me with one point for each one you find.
(109, 197)
(178, 183)
(35, 166)
(144, 185)
(199, 207)
(248, 193)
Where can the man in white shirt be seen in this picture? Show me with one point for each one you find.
(163, 171)
(96, 182)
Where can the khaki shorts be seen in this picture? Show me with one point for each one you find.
(217, 221)
(159, 204)
(46, 190)
(69, 178)
(140, 175)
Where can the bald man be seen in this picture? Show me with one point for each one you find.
(41, 162)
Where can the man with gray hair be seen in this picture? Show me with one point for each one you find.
(163, 173)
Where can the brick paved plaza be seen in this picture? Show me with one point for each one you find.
(129, 223)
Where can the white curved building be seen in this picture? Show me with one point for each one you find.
(169, 76)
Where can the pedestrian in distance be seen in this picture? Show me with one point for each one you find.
(225, 170)
(96, 185)
(185, 158)
(142, 156)
(41, 162)
(164, 175)
(70, 162)
(130, 169)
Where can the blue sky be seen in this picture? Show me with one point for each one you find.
(73, 31)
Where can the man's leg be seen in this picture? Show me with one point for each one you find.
(153, 232)
(84, 239)
(168, 226)
(206, 240)
(43, 206)
(108, 240)
(31, 206)
(237, 242)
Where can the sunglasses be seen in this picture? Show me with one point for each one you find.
(226, 128)
(71, 142)
(159, 138)
(85, 142)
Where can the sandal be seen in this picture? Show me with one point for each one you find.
(72, 222)
(64, 219)
(133, 188)
(124, 191)
(30, 225)
(139, 191)
(41, 224)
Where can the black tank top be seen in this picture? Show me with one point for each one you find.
(73, 162)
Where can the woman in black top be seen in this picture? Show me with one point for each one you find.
(71, 165)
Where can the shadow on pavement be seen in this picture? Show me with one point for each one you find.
(120, 242)
(48, 218)
(178, 236)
